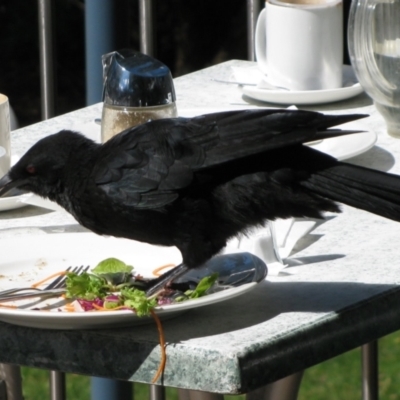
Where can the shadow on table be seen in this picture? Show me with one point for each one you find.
(265, 303)
(375, 158)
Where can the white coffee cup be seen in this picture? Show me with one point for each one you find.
(299, 43)
(5, 143)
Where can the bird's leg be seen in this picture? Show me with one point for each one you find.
(159, 283)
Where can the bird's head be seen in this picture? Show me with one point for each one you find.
(41, 169)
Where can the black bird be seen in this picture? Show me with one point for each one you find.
(196, 182)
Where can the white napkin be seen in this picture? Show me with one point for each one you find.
(255, 77)
(247, 76)
(273, 242)
(252, 76)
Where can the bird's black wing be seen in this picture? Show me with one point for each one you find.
(146, 166)
(247, 132)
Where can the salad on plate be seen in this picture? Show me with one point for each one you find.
(113, 285)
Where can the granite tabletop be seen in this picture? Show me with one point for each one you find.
(341, 288)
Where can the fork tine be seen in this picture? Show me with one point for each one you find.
(55, 287)
(53, 284)
(13, 290)
(31, 294)
(59, 282)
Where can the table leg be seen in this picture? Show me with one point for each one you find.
(283, 389)
(184, 394)
(369, 361)
(11, 375)
(157, 392)
(57, 385)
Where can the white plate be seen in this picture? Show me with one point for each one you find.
(47, 254)
(13, 202)
(345, 147)
(351, 87)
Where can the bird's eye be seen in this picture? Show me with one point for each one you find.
(30, 169)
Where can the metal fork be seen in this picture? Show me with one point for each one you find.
(56, 287)
(60, 281)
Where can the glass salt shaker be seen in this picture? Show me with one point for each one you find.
(137, 88)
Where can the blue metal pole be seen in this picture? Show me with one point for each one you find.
(108, 389)
(100, 39)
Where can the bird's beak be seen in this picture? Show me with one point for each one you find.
(6, 184)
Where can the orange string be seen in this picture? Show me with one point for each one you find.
(48, 278)
(162, 347)
(156, 272)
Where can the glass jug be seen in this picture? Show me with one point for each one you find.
(374, 47)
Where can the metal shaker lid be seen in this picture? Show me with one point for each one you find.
(134, 79)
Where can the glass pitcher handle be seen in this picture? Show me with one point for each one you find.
(361, 49)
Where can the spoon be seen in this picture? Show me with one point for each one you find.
(265, 85)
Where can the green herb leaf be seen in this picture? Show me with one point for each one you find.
(202, 286)
(111, 303)
(85, 286)
(137, 300)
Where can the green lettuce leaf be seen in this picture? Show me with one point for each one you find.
(111, 265)
(137, 300)
(85, 286)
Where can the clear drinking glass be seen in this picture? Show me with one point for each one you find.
(374, 46)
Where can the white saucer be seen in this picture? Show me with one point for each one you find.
(13, 202)
(351, 87)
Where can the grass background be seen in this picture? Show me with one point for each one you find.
(337, 378)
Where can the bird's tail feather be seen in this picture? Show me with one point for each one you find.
(374, 191)
(288, 119)
(248, 132)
